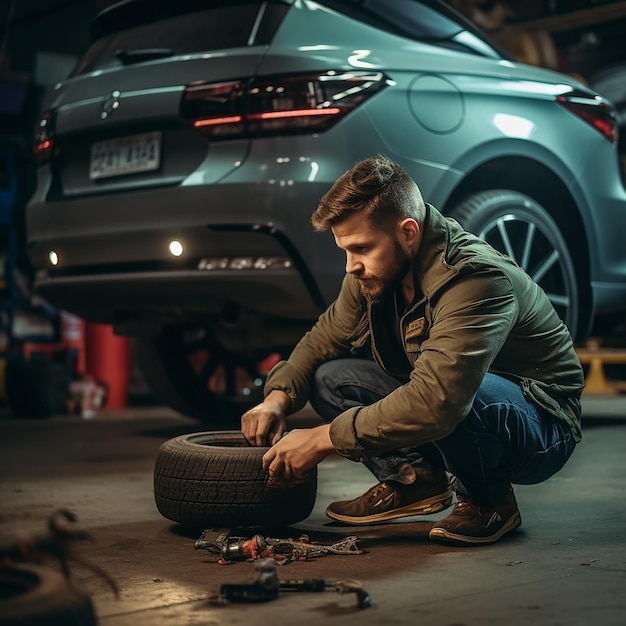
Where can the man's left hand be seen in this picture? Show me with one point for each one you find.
(297, 452)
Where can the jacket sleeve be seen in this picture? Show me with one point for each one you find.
(471, 319)
(332, 336)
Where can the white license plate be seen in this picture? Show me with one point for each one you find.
(126, 155)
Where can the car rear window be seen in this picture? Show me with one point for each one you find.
(124, 34)
(423, 20)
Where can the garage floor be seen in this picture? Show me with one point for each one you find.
(565, 566)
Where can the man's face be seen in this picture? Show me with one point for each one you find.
(374, 256)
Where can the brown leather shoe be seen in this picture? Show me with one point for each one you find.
(390, 500)
(473, 523)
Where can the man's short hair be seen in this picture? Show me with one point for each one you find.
(379, 188)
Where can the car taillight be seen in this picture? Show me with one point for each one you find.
(277, 105)
(594, 110)
(44, 137)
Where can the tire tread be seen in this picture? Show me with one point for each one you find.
(215, 485)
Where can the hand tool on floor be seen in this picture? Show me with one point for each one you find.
(229, 549)
(267, 586)
(323, 584)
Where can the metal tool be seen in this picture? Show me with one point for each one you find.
(267, 586)
(322, 584)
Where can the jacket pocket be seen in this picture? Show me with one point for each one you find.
(413, 348)
(361, 334)
(539, 395)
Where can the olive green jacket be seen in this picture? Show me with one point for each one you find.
(478, 312)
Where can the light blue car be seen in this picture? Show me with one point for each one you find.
(180, 162)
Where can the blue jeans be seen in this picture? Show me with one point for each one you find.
(504, 439)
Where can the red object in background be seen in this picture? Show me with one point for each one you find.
(71, 343)
(108, 361)
(72, 335)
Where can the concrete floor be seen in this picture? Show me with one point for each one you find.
(565, 566)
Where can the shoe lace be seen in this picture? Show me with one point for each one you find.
(467, 508)
(377, 490)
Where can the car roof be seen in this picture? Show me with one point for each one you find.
(423, 20)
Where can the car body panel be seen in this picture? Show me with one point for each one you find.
(446, 115)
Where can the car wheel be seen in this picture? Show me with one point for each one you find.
(31, 595)
(189, 370)
(215, 479)
(520, 227)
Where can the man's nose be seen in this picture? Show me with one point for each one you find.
(353, 265)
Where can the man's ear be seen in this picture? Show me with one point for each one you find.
(409, 231)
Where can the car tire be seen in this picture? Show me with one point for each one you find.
(520, 227)
(32, 595)
(189, 370)
(215, 479)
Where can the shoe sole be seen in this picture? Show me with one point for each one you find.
(442, 535)
(423, 507)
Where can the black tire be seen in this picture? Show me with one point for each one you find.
(189, 370)
(215, 479)
(519, 226)
(31, 595)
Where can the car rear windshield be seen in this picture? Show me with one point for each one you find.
(430, 21)
(125, 36)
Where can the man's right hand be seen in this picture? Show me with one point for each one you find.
(264, 424)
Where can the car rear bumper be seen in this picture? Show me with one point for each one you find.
(114, 258)
(146, 297)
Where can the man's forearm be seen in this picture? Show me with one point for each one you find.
(280, 398)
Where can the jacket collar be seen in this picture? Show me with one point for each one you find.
(430, 267)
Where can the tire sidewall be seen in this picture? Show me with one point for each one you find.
(215, 479)
(42, 597)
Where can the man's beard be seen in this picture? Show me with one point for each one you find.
(377, 288)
